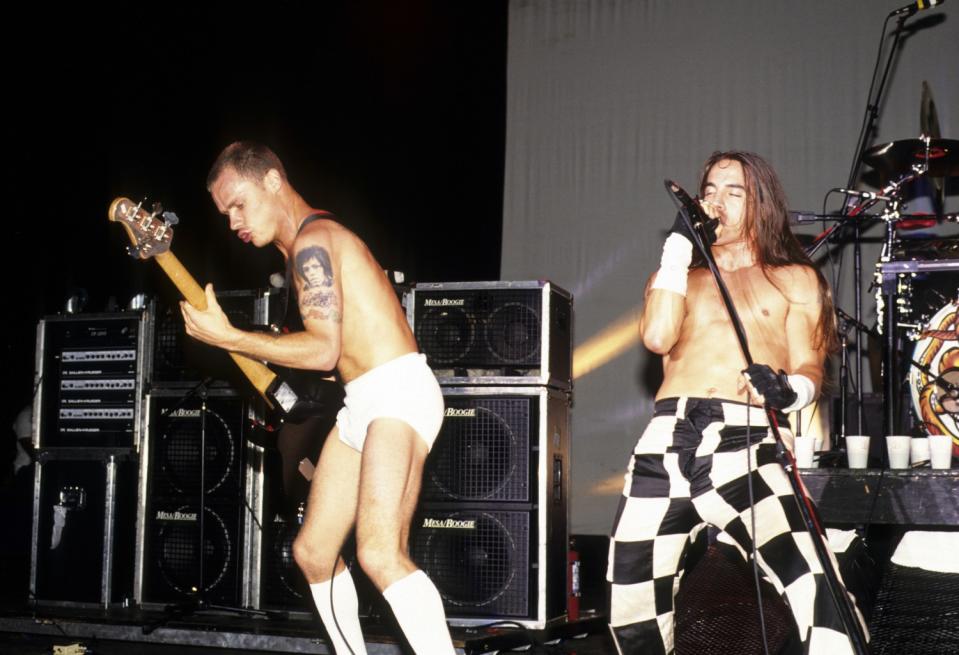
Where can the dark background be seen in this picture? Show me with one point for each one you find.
(389, 114)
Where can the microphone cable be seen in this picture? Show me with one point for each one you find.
(752, 520)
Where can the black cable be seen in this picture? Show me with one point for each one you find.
(253, 514)
(36, 602)
(531, 642)
(332, 610)
(752, 520)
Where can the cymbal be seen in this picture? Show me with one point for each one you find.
(899, 156)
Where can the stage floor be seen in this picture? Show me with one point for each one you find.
(34, 631)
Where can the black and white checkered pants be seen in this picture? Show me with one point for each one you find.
(689, 470)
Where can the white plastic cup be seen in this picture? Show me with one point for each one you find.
(898, 445)
(804, 447)
(940, 451)
(918, 450)
(857, 450)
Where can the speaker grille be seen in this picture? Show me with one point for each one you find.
(488, 328)
(172, 550)
(178, 452)
(179, 360)
(479, 561)
(283, 584)
(177, 542)
(483, 450)
(513, 333)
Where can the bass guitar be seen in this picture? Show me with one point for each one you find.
(150, 236)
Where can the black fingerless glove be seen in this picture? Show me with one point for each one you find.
(774, 387)
(708, 233)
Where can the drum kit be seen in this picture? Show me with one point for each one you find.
(917, 279)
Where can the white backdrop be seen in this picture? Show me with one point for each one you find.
(608, 97)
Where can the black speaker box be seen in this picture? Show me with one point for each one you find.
(179, 361)
(491, 527)
(494, 333)
(171, 558)
(84, 527)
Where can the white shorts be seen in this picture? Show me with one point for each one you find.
(403, 388)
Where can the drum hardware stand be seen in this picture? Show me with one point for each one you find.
(887, 296)
(844, 607)
(197, 602)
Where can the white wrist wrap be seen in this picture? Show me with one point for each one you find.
(674, 265)
(805, 392)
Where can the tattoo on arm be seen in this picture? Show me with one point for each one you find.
(313, 267)
(314, 271)
(320, 304)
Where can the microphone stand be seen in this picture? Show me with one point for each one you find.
(857, 638)
(868, 128)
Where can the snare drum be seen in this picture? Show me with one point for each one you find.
(937, 349)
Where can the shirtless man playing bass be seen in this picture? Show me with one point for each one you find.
(370, 468)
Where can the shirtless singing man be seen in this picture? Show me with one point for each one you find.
(369, 472)
(688, 468)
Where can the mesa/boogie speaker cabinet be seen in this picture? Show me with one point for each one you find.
(491, 529)
(84, 514)
(178, 360)
(494, 332)
(168, 549)
(90, 370)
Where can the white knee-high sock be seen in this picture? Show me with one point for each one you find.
(418, 609)
(346, 606)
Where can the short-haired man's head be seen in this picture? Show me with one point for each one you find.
(249, 159)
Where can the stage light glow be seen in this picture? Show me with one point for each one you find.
(609, 486)
(606, 345)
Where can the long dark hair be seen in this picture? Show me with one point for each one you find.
(766, 225)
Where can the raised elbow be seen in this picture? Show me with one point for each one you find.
(657, 343)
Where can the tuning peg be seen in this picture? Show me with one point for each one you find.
(170, 218)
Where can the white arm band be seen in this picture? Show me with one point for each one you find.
(674, 265)
(805, 392)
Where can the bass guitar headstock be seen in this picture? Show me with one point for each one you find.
(150, 232)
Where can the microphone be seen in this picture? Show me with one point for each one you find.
(700, 221)
(913, 7)
(865, 195)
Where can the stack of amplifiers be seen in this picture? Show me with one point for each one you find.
(498, 333)
(90, 373)
(170, 560)
(491, 529)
